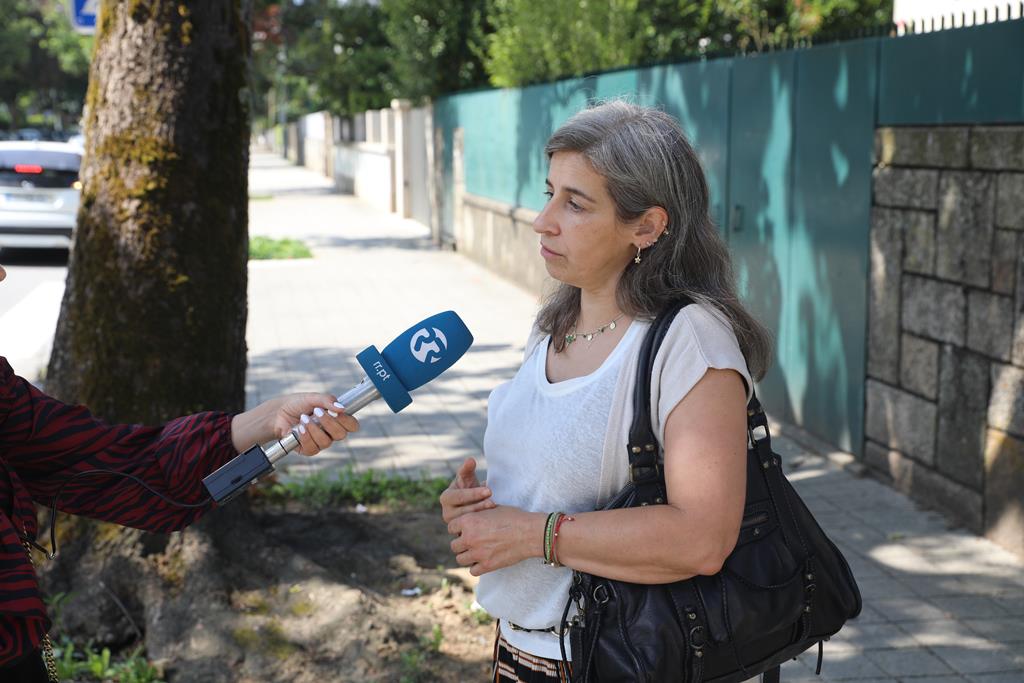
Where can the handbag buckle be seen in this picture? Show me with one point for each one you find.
(641, 474)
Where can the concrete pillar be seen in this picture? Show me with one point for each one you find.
(402, 130)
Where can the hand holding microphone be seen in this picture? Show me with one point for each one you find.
(412, 359)
(317, 420)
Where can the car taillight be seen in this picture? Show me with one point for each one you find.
(28, 168)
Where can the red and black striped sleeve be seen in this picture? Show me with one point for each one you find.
(47, 442)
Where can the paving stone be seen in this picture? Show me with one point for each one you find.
(1010, 200)
(884, 300)
(908, 662)
(998, 147)
(948, 631)
(931, 146)
(860, 636)
(927, 485)
(934, 309)
(1004, 677)
(965, 227)
(898, 610)
(842, 666)
(1004, 262)
(963, 412)
(1001, 630)
(973, 660)
(1006, 404)
(906, 187)
(919, 366)
(970, 606)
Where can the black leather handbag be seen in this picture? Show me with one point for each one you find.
(784, 588)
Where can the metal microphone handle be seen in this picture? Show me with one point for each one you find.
(354, 400)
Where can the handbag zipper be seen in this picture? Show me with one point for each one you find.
(759, 518)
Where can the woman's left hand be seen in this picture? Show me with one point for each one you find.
(496, 538)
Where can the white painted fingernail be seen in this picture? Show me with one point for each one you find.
(302, 428)
(338, 405)
(319, 412)
(332, 413)
(304, 419)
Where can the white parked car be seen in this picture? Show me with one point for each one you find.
(39, 191)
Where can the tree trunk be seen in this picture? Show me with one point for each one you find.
(152, 325)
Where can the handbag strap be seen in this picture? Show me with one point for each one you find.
(645, 471)
(642, 447)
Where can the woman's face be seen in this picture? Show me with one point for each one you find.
(582, 241)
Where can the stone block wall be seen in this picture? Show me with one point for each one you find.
(501, 238)
(945, 386)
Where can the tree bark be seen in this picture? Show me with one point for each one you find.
(152, 325)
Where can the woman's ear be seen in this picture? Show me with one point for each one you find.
(650, 227)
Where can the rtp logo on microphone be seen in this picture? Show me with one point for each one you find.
(428, 345)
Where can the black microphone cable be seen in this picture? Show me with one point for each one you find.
(52, 553)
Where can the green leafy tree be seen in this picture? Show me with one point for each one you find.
(539, 41)
(43, 63)
(320, 54)
(769, 23)
(438, 46)
(535, 42)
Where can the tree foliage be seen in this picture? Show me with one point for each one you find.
(538, 41)
(322, 54)
(438, 46)
(44, 64)
(534, 41)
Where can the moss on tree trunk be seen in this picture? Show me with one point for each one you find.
(152, 324)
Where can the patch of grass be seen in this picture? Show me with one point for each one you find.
(432, 643)
(349, 487)
(90, 664)
(270, 639)
(479, 615)
(262, 248)
(302, 608)
(246, 638)
(413, 661)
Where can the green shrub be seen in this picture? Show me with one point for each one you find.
(349, 486)
(262, 248)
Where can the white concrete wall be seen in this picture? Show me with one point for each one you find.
(367, 171)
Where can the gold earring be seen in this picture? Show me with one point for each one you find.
(637, 259)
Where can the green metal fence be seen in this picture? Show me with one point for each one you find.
(786, 139)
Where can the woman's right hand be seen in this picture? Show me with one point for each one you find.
(465, 494)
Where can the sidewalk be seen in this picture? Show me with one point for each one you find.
(940, 605)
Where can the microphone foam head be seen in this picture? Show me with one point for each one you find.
(428, 348)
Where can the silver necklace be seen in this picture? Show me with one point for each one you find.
(589, 336)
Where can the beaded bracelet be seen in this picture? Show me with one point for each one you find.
(549, 535)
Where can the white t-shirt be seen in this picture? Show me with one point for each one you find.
(562, 447)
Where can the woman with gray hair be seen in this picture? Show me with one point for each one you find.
(626, 232)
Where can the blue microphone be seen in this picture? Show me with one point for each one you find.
(412, 359)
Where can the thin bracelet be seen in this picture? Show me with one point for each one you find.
(549, 534)
(554, 538)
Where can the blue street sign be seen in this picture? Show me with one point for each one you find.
(83, 15)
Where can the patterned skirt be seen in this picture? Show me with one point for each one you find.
(515, 666)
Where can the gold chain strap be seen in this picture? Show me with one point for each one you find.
(46, 646)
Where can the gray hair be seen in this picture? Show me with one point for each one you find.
(646, 161)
